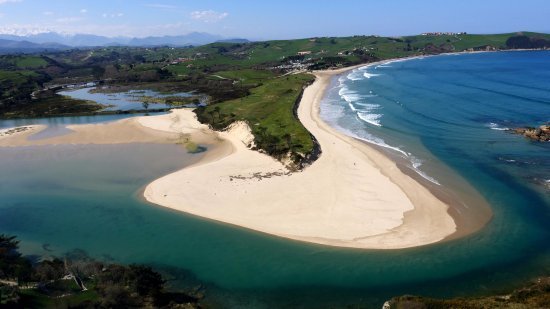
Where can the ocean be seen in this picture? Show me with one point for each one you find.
(443, 113)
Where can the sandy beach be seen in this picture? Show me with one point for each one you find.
(123, 131)
(352, 196)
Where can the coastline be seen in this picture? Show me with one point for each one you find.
(332, 202)
(354, 195)
(460, 194)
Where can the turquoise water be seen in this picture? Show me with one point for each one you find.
(61, 198)
(124, 101)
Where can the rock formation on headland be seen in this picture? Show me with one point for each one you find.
(541, 134)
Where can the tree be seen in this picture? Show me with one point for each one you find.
(145, 281)
(49, 270)
(519, 41)
(9, 256)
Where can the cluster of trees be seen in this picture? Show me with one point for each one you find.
(438, 49)
(274, 145)
(277, 146)
(525, 42)
(16, 88)
(112, 285)
(126, 74)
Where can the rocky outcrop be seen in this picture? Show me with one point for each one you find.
(534, 295)
(540, 134)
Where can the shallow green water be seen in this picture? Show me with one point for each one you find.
(88, 198)
(60, 198)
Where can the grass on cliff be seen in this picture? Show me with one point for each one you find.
(269, 112)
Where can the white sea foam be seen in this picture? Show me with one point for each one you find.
(416, 164)
(355, 75)
(368, 106)
(370, 75)
(379, 142)
(366, 112)
(373, 119)
(494, 126)
(352, 97)
(371, 139)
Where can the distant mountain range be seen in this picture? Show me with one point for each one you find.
(57, 41)
(12, 46)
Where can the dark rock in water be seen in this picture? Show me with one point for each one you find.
(540, 134)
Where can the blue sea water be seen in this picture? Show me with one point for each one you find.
(434, 112)
(455, 108)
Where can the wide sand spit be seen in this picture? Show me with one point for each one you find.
(352, 196)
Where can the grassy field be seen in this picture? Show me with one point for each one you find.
(269, 112)
(35, 299)
(350, 50)
(247, 76)
(30, 62)
(240, 79)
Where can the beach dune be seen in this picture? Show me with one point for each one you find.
(352, 196)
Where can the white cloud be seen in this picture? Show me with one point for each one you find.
(209, 16)
(9, 1)
(112, 15)
(17, 29)
(109, 30)
(66, 20)
(160, 6)
(48, 13)
(84, 11)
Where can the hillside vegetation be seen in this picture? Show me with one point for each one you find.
(78, 281)
(243, 81)
(269, 110)
(533, 295)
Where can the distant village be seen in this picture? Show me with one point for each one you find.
(442, 33)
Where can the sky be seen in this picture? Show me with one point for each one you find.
(278, 19)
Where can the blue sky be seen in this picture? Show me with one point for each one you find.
(280, 19)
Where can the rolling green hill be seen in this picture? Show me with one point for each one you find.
(244, 81)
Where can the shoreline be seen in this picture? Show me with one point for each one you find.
(354, 195)
(385, 210)
(469, 220)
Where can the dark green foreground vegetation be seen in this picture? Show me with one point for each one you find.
(80, 282)
(243, 81)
